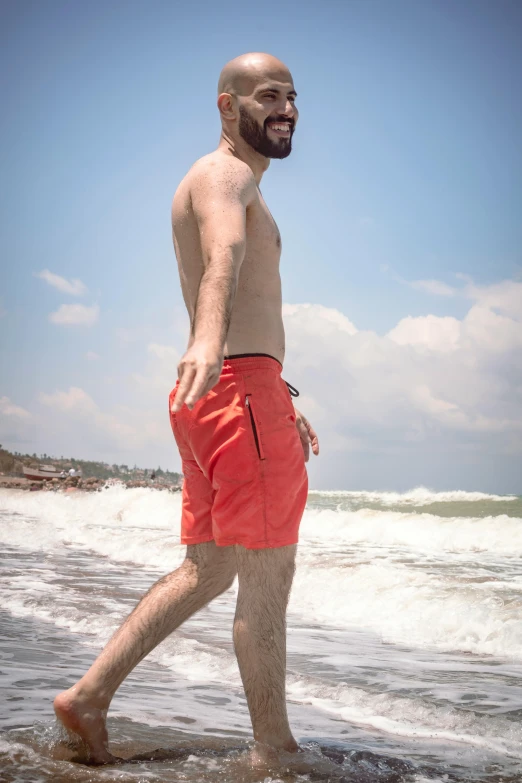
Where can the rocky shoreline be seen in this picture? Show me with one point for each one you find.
(75, 484)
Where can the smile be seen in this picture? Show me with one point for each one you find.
(282, 129)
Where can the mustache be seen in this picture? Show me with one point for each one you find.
(280, 118)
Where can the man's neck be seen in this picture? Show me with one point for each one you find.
(240, 149)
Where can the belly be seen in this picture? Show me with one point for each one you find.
(256, 326)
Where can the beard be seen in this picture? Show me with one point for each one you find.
(258, 138)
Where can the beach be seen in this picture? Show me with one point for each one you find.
(404, 640)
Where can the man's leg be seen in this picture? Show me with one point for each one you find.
(206, 572)
(265, 579)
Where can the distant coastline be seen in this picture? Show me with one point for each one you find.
(89, 474)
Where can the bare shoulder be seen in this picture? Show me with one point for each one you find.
(223, 175)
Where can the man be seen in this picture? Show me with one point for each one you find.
(242, 443)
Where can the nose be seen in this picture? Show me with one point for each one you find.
(290, 109)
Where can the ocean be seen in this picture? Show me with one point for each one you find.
(404, 641)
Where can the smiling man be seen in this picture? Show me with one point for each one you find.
(243, 444)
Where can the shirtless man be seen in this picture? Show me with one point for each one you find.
(242, 442)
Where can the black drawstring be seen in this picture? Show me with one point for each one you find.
(293, 391)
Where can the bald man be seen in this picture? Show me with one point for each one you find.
(243, 444)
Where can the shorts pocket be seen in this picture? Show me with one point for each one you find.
(255, 426)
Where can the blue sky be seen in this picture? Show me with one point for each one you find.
(407, 168)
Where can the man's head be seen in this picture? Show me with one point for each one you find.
(256, 99)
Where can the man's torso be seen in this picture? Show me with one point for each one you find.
(256, 324)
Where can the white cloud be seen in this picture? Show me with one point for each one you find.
(430, 383)
(435, 287)
(164, 352)
(314, 316)
(505, 296)
(428, 331)
(492, 332)
(7, 408)
(161, 371)
(17, 426)
(75, 315)
(429, 395)
(121, 429)
(75, 399)
(91, 356)
(73, 287)
(133, 428)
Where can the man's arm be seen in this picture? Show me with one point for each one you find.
(220, 195)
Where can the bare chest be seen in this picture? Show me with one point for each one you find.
(262, 233)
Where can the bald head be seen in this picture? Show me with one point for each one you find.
(241, 75)
(256, 100)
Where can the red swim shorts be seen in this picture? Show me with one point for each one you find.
(245, 479)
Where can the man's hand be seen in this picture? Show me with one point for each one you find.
(307, 434)
(198, 372)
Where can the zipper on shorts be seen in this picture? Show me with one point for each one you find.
(253, 422)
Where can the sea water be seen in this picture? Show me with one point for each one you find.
(404, 640)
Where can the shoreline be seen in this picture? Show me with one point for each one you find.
(77, 484)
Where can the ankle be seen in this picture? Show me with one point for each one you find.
(283, 741)
(81, 693)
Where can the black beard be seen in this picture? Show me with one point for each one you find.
(258, 138)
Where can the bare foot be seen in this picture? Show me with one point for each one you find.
(267, 759)
(81, 717)
(264, 756)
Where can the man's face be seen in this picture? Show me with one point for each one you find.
(267, 119)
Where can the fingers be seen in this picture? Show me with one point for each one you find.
(308, 437)
(314, 440)
(194, 383)
(186, 376)
(201, 384)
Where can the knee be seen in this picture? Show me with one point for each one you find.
(214, 574)
(266, 575)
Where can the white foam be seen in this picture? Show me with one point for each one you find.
(349, 571)
(408, 717)
(143, 526)
(420, 496)
(421, 532)
(135, 525)
(409, 606)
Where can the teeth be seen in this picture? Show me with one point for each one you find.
(280, 127)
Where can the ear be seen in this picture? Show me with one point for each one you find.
(225, 103)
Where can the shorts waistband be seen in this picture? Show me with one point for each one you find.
(245, 362)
